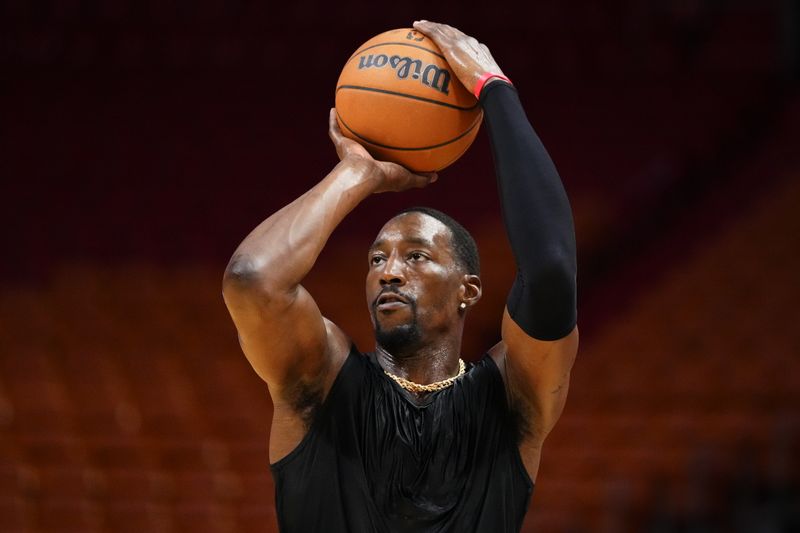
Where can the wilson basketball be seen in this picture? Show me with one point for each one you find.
(398, 97)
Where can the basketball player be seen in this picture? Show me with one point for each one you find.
(409, 438)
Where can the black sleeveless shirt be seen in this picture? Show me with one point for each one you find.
(375, 459)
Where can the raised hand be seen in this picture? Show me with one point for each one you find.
(468, 58)
(389, 176)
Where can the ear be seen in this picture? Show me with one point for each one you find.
(471, 289)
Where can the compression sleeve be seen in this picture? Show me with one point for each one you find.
(537, 217)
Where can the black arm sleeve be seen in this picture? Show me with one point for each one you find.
(537, 217)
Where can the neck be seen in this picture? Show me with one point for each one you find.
(425, 363)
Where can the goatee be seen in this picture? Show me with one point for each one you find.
(398, 339)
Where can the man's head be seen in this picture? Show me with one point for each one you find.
(423, 274)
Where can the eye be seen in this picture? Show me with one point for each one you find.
(417, 256)
(376, 259)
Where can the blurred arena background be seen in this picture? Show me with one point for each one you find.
(141, 140)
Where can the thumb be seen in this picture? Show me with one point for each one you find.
(422, 179)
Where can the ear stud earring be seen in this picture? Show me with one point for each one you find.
(462, 306)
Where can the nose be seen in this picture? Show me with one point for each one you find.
(392, 273)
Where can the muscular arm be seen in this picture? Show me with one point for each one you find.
(540, 338)
(539, 330)
(537, 217)
(281, 330)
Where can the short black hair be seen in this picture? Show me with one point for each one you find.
(464, 245)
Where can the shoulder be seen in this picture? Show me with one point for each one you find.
(519, 409)
(497, 354)
(485, 383)
(346, 361)
(306, 405)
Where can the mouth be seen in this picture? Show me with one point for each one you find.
(390, 301)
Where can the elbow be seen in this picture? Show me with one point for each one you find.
(253, 279)
(243, 272)
(543, 301)
(245, 283)
(557, 271)
(556, 286)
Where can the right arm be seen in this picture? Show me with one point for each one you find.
(281, 330)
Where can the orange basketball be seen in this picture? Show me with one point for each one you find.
(398, 97)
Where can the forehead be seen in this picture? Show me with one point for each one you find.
(413, 227)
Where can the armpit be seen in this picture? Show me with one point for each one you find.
(522, 419)
(304, 399)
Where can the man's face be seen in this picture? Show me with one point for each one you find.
(413, 281)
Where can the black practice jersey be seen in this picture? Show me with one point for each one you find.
(377, 459)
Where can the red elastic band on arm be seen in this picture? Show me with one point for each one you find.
(482, 81)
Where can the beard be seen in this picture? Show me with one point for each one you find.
(398, 339)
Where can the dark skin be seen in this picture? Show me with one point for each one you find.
(299, 353)
(413, 256)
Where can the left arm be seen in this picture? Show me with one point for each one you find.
(539, 323)
(540, 337)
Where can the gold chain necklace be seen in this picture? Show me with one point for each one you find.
(430, 387)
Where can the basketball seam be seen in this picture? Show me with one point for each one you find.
(404, 95)
(455, 157)
(398, 44)
(379, 145)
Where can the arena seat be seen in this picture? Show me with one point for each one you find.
(125, 401)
